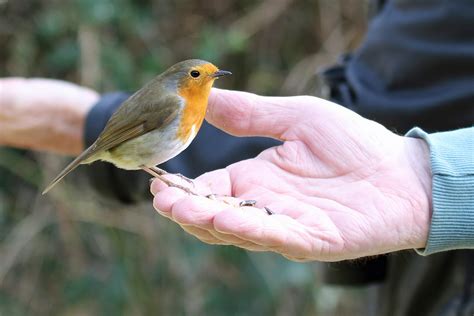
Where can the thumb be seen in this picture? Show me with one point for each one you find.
(247, 114)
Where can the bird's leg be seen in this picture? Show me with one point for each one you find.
(168, 182)
(158, 173)
(163, 172)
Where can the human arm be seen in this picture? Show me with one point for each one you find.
(341, 186)
(44, 114)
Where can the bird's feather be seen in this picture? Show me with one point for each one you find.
(128, 122)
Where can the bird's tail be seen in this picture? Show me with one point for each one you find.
(73, 165)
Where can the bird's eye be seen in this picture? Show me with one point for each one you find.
(195, 73)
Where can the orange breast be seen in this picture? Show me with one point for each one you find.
(196, 97)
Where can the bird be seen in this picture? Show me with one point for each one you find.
(156, 123)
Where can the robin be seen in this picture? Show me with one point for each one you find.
(156, 123)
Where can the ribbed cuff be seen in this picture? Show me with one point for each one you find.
(452, 166)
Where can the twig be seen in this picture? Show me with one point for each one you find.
(21, 235)
(260, 17)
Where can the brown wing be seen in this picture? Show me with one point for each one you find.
(127, 123)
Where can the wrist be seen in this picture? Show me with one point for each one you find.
(418, 158)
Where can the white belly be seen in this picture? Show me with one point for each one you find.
(150, 149)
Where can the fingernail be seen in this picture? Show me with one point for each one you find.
(151, 186)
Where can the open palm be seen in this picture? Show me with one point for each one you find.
(340, 186)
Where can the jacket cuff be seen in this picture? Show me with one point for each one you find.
(452, 166)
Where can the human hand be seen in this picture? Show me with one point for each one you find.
(340, 186)
(44, 114)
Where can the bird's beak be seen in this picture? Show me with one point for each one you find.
(221, 73)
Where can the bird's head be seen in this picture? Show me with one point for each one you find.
(194, 77)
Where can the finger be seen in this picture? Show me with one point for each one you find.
(254, 227)
(197, 211)
(248, 245)
(229, 239)
(279, 233)
(203, 235)
(197, 187)
(302, 260)
(164, 202)
(218, 182)
(166, 198)
(216, 238)
(246, 114)
(157, 186)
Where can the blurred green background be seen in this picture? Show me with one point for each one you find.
(73, 253)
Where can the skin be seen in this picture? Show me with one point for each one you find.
(341, 186)
(44, 114)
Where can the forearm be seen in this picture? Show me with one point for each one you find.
(46, 115)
